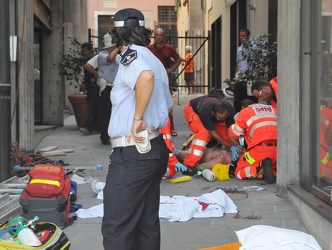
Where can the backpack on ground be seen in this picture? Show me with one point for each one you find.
(47, 194)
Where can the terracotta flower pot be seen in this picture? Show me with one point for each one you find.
(79, 103)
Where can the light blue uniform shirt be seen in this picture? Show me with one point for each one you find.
(107, 70)
(242, 64)
(123, 94)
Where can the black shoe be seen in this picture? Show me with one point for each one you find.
(268, 171)
(190, 171)
(231, 171)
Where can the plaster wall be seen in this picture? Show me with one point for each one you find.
(102, 7)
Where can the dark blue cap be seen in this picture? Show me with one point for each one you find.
(121, 18)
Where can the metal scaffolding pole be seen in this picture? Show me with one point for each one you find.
(4, 91)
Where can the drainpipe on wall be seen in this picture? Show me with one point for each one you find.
(4, 92)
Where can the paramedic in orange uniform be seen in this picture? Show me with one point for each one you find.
(267, 91)
(173, 164)
(258, 124)
(325, 131)
(209, 117)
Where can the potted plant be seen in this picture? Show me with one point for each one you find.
(71, 67)
(262, 57)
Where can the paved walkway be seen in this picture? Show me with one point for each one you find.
(255, 207)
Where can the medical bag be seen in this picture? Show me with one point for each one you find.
(47, 194)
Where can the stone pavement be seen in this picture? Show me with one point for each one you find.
(255, 207)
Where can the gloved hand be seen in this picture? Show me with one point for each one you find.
(180, 167)
(175, 152)
(235, 152)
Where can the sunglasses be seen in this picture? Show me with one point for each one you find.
(261, 92)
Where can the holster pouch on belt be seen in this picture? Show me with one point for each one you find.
(102, 84)
(146, 146)
(141, 147)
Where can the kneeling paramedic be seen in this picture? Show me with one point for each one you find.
(258, 124)
(209, 117)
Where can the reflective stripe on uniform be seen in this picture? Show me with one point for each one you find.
(244, 173)
(236, 129)
(198, 142)
(261, 124)
(167, 136)
(324, 120)
(326, 158)
(198, 152)
(43, 181)
(257, 117)
(249, 158)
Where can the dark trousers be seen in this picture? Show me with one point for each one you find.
(105, 110)
(131, 197)
(93, 103)
(240, 93)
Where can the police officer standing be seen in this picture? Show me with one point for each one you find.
(141, 101)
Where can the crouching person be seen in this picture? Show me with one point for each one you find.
(258, 124)
(173, 165)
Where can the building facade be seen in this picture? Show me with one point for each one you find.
(35, 34)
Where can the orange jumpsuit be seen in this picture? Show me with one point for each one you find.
(258, 124)
(201, 122)
(274, 86)
(325, 158)
(172, 160)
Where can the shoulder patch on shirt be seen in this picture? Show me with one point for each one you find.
(129, 56)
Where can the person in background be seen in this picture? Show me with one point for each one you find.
(258, 124)
(244, 103)
(189, 75)
(325, 138)
(107, 67)
(266, 91)
(208, 117)
(140, 104)
(169, 58)
(92, 91)
(242, 69)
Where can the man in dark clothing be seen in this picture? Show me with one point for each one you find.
(92, 91)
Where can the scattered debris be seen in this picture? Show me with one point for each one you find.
(253, 188)
(253, 216)
(49, 148)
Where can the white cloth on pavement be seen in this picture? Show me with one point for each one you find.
(261, 237)
(182, 208)
(92, 212)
